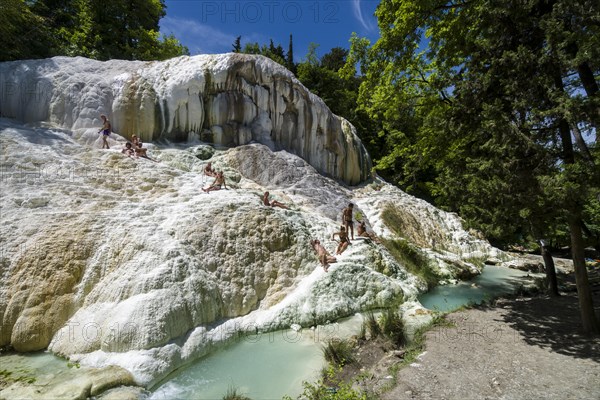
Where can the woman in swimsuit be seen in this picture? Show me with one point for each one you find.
(324, 257)
(209, 170)
(128, 150)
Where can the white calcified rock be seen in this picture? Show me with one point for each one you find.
(119, 261)
(225, 99)
(116, 261)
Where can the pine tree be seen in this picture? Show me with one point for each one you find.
(289, 59)
(237, 45)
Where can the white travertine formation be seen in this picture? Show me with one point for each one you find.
(118, 261)
(225, 99)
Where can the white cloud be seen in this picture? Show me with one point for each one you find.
(357, 10)
(199, 38)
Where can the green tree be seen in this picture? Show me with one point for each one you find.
(23, 32)
(90, 28)
(237, 45)
(489, 105)
(289, 58)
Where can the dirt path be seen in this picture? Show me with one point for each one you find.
(523, 348)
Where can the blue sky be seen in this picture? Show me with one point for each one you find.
(207, 27)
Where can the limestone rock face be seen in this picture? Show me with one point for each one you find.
(227, 99)
(118, 261)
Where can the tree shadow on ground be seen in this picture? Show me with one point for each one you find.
(554, 323)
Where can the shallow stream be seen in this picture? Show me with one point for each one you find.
(493, 282)
(272, 365)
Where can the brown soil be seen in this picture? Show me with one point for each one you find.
(517, 348)
(525, 348)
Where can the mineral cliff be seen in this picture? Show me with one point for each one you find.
(118, 261)
(226, 99)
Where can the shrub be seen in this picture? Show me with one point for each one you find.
(371, 325)
(232, 394)
(393, 327)
(338, 352)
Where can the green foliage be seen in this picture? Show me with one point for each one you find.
(91, 28)
(22, 32)
(73, 365)
(275, 53)
(21, 375)
(237, 45)
(334, 389)
(338, 352)
(371, 325)
(232, 394)
(393, 327)
(413, 259)
(481, 120)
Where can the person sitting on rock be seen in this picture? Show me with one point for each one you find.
(324, 257)
(141, 151)
(343, 243)
(361, 229)
(216, 185)
(273, 203)
(128, 150)
(135, 140)
(209, 170)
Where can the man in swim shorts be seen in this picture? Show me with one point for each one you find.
(216, 185)
(105, 130)
(347, 219)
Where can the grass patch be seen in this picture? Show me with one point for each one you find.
(338, 352)
(413, 259)
(329, 388)
(232, 394)
(415, 347)
(371, 326)
(393, 327)
(8, 377)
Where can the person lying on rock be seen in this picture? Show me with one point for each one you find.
(361, 229)
(324, 257)
(273, 203)
(209, 170)
(347, 219)
(216, 185)
(128, 150)
(343, 243)
(105, 130)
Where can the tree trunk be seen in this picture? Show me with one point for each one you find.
(591, 89)
(585, 151)
(552, 288)
(584, 294)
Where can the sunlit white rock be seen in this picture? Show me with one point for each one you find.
(225, 99)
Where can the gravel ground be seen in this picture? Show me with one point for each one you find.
(524, 348)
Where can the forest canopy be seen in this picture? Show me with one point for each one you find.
(101, 30)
